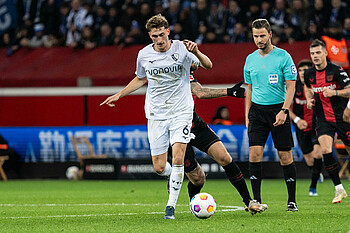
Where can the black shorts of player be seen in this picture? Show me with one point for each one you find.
(261, 119)
(205, 137)
(306, 140)
(330, 128)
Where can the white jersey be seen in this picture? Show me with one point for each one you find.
(169, 92)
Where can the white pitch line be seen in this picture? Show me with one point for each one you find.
(230, 208)
(83, 204)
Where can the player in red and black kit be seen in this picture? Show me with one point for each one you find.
(207, 141)
(303, 119)
(329, 85)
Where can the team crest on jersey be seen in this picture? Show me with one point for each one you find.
(175, 56)
(293, 69)
(329, 78)
(273, 79)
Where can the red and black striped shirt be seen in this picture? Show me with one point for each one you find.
(333, 77)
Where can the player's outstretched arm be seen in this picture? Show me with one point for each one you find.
(134, 84)
(211, 93)
(203, 59)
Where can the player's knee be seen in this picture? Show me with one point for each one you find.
(159, 169)
(224, 160)
(255, 154)
(326, 150)
(286, 157)
(309, 160)
(286, 160)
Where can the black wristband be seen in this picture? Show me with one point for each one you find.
(285, 110)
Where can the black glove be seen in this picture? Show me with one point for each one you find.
(236, 91)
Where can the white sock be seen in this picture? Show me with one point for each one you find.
(175, 182)
(167, 170)
(339, 186)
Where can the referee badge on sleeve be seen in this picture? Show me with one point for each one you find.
(293, 69)
(273, 79)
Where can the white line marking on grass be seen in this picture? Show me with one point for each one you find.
(228, 209)
(82, 204)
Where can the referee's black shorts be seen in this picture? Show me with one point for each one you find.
(261, 119)
(330, 128)
(306, 139)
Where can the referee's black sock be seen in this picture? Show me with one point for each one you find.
(332, 168)
(290, 174)
(316, 170)
(193, 189)
(255, 174)
(236, 178)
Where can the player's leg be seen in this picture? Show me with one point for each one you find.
(289, 171)
(194, 172)
(159, 141)
(283, 140)
(326, 143)
(258, 132)
(196, 181)
(160, 164)
(316, 154)
(309, 160)
(179, 133)
(175, 179)
(219, 153)
(255, 170)
(207, 141)
(313, 157)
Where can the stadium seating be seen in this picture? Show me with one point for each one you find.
(84, 150)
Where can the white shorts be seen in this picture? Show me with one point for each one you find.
(162, 133)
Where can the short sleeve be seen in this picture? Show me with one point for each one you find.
(247, 78)
(306, 78)
(140, 71)
(289, 69)
(193, 58)
(343, 78)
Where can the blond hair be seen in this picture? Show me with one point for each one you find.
(156, 21)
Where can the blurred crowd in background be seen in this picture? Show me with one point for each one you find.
(91, 23)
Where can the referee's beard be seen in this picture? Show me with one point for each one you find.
(264, 46)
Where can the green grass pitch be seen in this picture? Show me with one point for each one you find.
(138, 206)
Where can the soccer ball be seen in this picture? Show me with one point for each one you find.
(203, 205)
(72, 173)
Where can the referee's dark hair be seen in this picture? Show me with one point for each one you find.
(317, 42)
(305, 62)
(261, 23)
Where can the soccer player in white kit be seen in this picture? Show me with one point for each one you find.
(166, 64)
